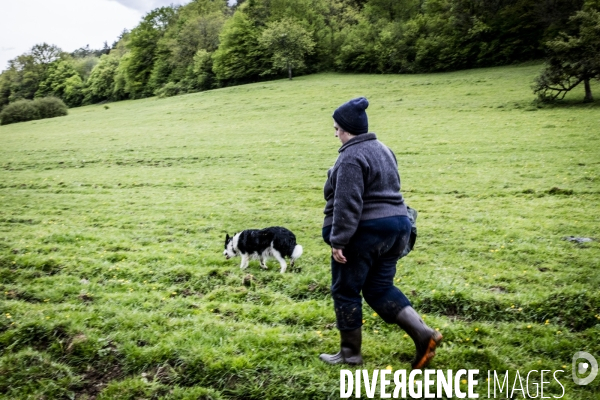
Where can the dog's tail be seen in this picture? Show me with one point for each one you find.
(297, 252)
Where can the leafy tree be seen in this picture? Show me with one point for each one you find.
(199, 32)
(85, 66)
(177, 48)
(122, 39)
(572, 59)
(321, 18)
(108, 79)
(202, 69)
(25, 77)
(289, 42)
(122, 88)
(86, 52)
(101, 83)
(392, 10)
(74, 91)
(62, 81)
(438, 47)
(6, 79)
(337, 15)
(45, 53)
(192, 27)
(25, 73)
(392, 49)
(143, 42)
(358, 51)
(240, 57)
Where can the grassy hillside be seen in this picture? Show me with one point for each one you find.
(112, 221)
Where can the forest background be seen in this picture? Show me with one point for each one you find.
(208, 44)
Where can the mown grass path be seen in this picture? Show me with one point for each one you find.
(112, 221)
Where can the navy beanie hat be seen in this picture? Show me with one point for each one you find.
(351, 116)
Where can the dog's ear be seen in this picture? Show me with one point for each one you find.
(226, 237)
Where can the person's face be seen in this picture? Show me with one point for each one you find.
(341, 134)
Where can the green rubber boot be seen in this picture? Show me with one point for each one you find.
(425, 338)
(349, 349)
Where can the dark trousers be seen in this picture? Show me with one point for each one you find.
(371, 257)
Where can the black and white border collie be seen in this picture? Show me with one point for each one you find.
(276, 241)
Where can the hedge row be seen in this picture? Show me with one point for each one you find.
(28, 110)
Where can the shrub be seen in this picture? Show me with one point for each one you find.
(19, 111)
(50, 107)
(28, 110)
(170, 89)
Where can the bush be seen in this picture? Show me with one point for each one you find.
(170, 89)
(28, 110)
(21, 110)
(50, 107)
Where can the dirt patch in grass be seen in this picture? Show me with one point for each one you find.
(95, 379)
(498, 289)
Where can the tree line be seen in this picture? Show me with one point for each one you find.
(208, 44)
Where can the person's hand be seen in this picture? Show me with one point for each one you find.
(338, 255)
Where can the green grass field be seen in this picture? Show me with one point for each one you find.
(112, 222)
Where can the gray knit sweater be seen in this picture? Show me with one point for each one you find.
(363, 184)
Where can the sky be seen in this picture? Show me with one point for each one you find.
(69, 24)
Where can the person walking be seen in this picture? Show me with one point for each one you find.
(367, 226)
